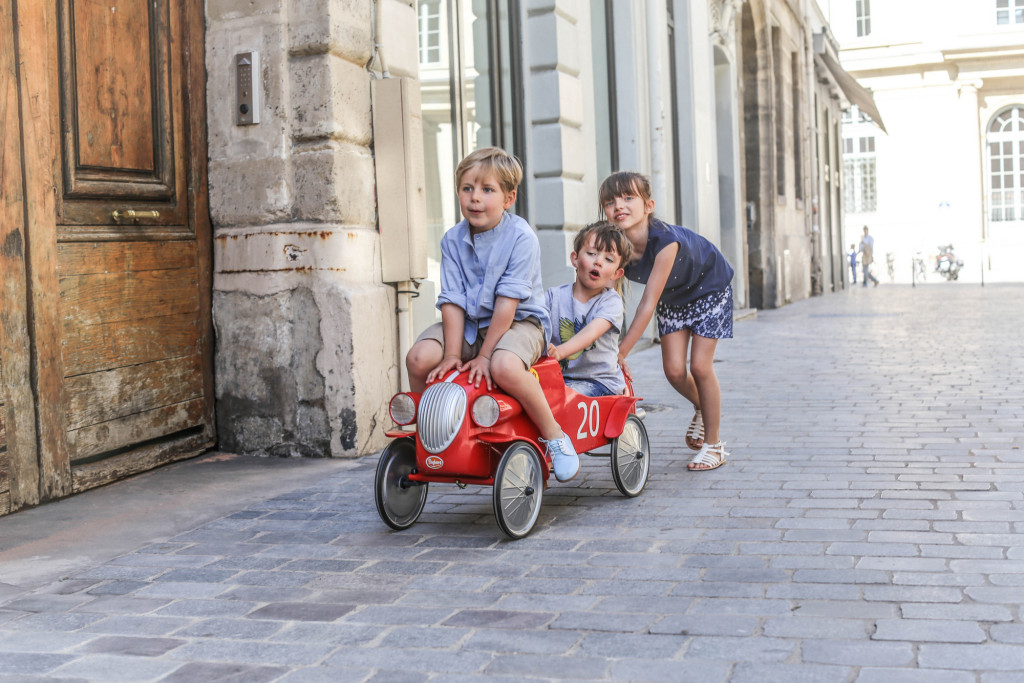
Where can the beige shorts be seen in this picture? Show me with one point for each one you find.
(525, 339)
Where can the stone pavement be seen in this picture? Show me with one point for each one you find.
(868, 528)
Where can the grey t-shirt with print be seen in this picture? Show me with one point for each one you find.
(568, 316)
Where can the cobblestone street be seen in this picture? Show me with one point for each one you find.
(868, 528)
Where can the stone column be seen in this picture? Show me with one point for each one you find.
(562, 200)
(305, 329)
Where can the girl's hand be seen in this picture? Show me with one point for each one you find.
(480, 369)
(447, 364)
(553, 352)
(625, 369)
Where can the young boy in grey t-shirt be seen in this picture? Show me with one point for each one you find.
(586, 315)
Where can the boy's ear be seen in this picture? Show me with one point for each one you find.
(618, 273)
(572, 259)
(510, 199)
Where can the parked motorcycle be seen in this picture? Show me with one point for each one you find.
(947, 264)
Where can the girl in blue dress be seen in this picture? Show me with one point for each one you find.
(688, 285)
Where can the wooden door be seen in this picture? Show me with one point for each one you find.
(119, 280)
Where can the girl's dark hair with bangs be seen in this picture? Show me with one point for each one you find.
(623, 183)
(607, 237)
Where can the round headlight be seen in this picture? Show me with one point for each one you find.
(485, 411)
(402, 409)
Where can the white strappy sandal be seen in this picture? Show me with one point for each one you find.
(696, 431)
(710, 456)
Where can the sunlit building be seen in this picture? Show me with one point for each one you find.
(948, 77)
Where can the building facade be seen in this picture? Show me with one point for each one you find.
(949, 79)
(728, 106)
(236, 242)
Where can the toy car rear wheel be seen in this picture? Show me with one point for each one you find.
(631, 458)
(518, 489)
(399, 501)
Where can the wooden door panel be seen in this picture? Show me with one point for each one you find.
(104, 298)
(5, 459)
(87, 442)
(121, 130)
(84, 258)
(91, 348)
(104, 396)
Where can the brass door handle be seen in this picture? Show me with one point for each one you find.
(133, 214)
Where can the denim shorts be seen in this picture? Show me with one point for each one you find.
(588, 387)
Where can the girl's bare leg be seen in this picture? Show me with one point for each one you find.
(702, 358)
(673, 358)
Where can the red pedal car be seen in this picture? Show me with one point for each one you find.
(468, 435)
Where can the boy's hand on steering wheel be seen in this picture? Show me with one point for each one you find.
(553, 352)
(480, 369)
(447, 364)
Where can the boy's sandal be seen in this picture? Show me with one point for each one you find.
(709, 457)
(695, 434)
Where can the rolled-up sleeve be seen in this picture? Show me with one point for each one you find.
(518, 280)
(453, 286)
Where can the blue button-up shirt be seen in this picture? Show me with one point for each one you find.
(503, 261)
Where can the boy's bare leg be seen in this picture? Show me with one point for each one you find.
(510, 373)
(424, 356)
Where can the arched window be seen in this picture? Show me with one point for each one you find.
(1005, 146)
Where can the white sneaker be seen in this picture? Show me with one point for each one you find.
(564, 460)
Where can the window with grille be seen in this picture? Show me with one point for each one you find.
(859, 177)
(1004, 145)
(1009, 12)
(430, 31)
(864, 17)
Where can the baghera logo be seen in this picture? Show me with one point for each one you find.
(435, 463)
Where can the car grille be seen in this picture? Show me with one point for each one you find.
(441, 412)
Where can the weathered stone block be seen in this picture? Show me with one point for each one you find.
(265, 139)
(341, 27)
(225, 10)
(269, 391)
(334, 183)
(249, 191)
(330, 99)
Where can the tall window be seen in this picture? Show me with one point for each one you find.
(471, 94)
(864, 17)
(430, 31)
(674, 113)
(780, 119)
(604, 88)
(859, 191)
(1009, 12)
(1005, 148)
(798, 176)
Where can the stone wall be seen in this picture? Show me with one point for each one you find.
(306, 355)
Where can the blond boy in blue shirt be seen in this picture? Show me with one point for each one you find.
(493, 316)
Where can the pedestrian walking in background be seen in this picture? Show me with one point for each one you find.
(867, 252)
(688, 284)
(853, 263)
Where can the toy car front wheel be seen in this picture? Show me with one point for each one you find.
(631, 458)
(399, 501)
(518, 489)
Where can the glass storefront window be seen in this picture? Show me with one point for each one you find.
(470, 83)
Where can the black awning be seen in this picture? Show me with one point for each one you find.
(855, 92)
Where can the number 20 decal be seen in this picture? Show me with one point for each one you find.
(591, 419)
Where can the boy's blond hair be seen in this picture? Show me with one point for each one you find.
(607, 237)
(505, 167)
